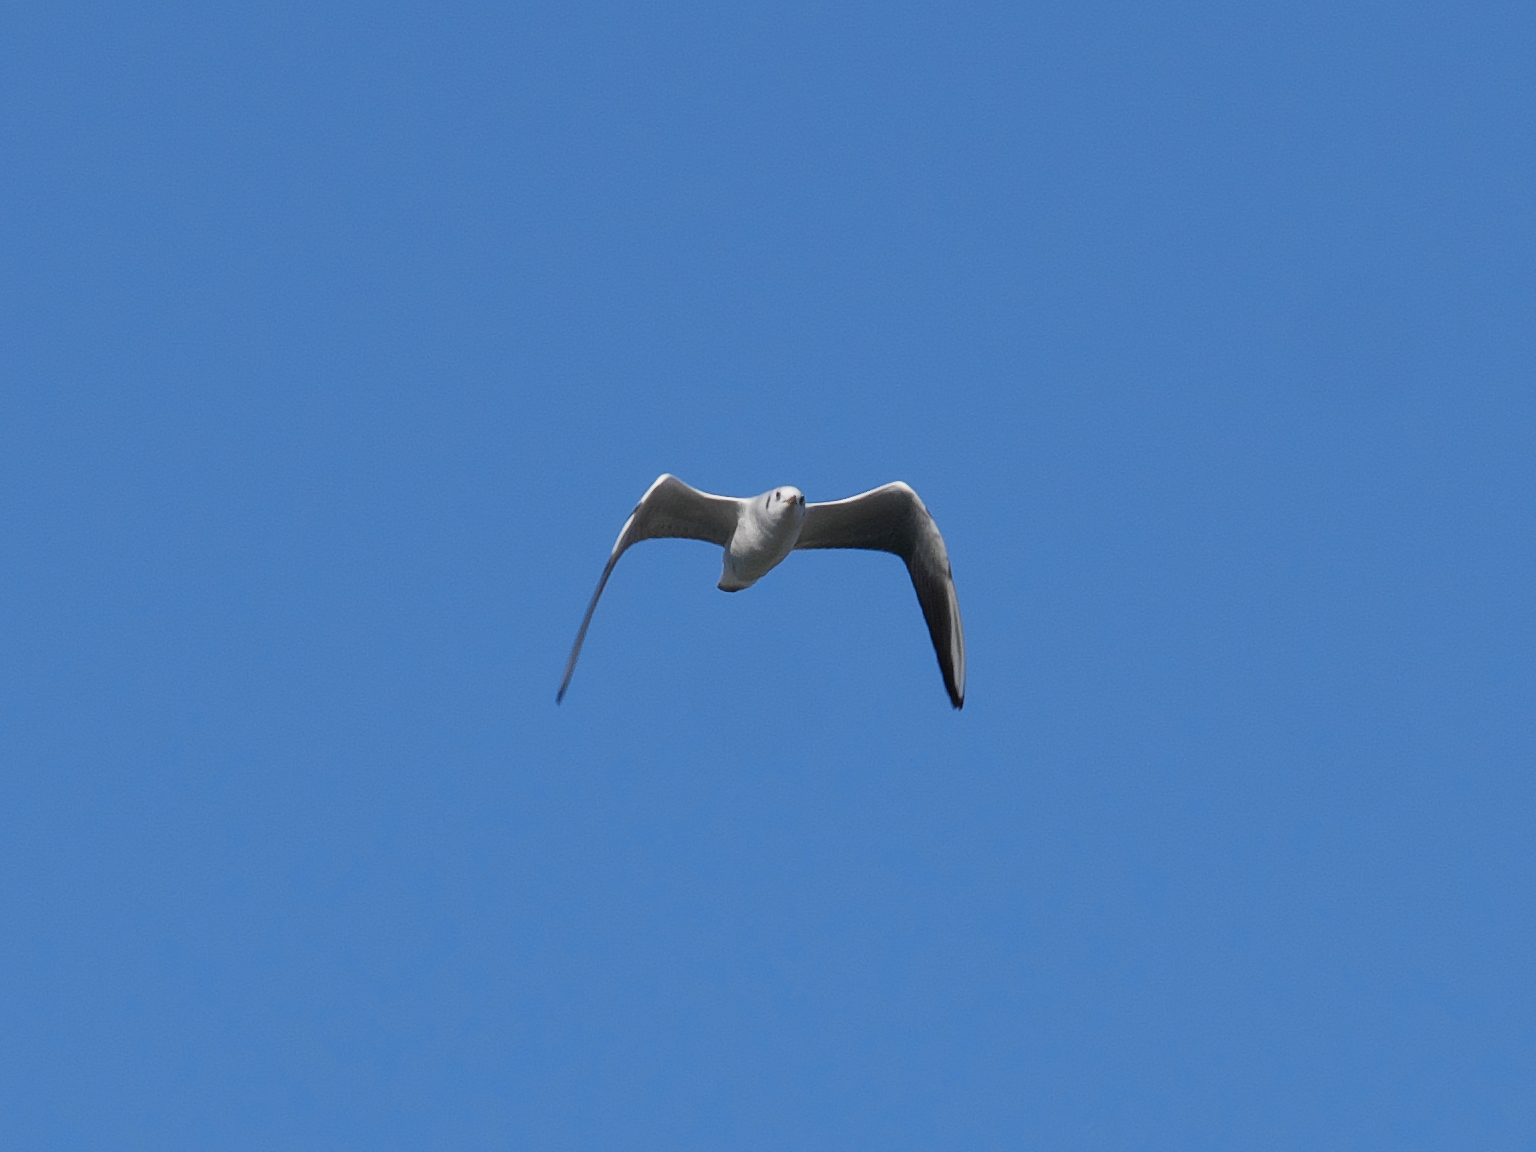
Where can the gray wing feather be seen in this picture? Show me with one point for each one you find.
(893, 519)
(669, 508)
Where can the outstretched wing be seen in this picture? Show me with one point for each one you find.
(668, 508)
(892, 519)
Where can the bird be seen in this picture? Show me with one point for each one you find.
(758, 532)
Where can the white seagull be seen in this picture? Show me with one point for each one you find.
(759, 531)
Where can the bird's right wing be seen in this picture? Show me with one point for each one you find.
(668, 508)
(893, 519)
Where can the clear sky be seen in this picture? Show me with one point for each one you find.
(338, 340)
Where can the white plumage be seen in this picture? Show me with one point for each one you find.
(760, 531)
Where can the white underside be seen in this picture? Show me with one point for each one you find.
(763, 537)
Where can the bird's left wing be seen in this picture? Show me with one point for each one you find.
(892, 519)
(668, 508)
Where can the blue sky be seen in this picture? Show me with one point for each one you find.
(341, 338)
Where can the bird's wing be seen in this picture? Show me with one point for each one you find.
(892, 519)
(668, 508)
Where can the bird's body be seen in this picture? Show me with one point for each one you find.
(767, 528)
(758, 532)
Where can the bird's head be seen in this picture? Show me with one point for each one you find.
(783, 501)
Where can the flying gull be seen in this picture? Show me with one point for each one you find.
(759, 531)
